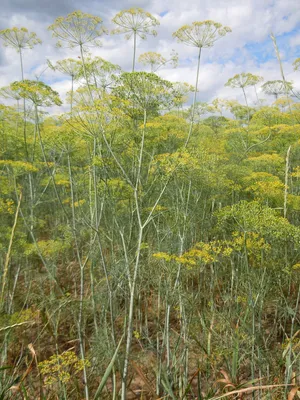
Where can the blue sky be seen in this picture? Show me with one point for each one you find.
(264, 51)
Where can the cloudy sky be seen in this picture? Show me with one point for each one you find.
(247, 49)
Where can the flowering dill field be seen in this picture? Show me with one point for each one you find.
(149, 241)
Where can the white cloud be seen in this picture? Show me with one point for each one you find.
(251, 21)
(295, 40)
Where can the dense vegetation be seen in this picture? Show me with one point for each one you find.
(149, 248)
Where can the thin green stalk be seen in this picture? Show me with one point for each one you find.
(194, 100)
(8, 254)
(287, 166)
(134, 50)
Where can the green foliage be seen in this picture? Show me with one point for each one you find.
(100, 73)
(7, 382)
(270, 116)
(38, 92)
(255, 217)
(267, 162)
(168, 129)
(265, 187)
(240, 111)
(19, 167)
(145, 242)
(142, 92)
(50, 249)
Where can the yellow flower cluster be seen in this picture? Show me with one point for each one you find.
(169, 162)
(241, 300)
(49, 248)
(26, 315)
(7, 206)
(207, 253)
(204, 255)
(79, 203)
(137, 334)
(291, 342)
(263, 185)
(253, 242)
(296, 172)
(120, 189)
(157, 208)
(60, 367)
(163, 256)
(19, 166)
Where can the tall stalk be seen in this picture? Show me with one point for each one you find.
(134, 50)
(136, 265)
(200, 34)
(8, 254)
(194, 99)
(286, 86)
(286, 181)
(82, 266)
(24, 108)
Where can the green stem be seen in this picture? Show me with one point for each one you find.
(194, 99)
(134, 50)
(72, 91)
(24, 106)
